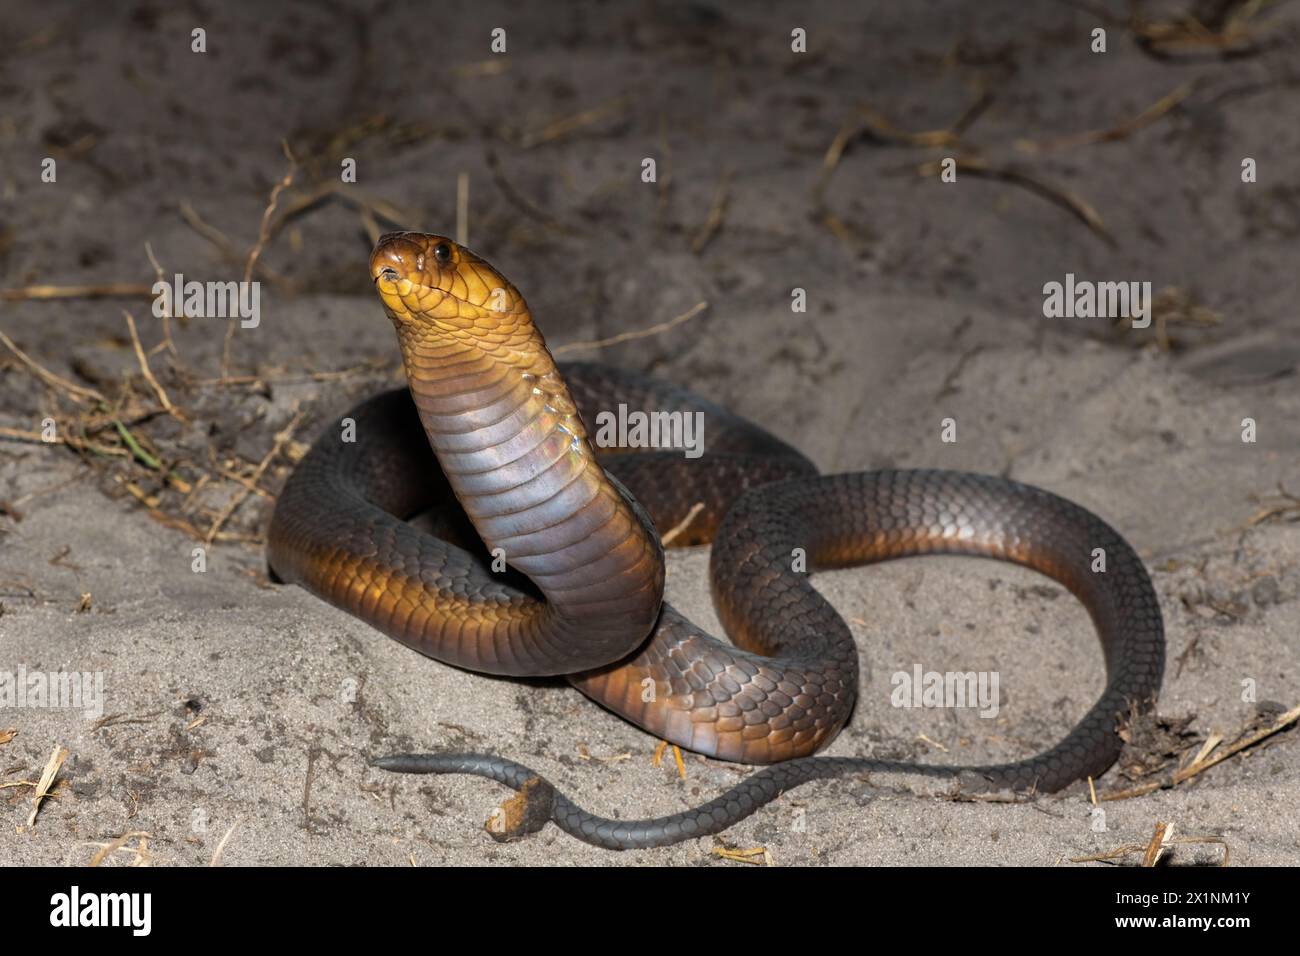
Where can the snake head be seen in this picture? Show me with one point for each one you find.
(444, 300)
(437, 286)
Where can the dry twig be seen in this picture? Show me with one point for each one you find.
(281, 438)
(76, 392)
(111, 290)
(629, 336)
(1119, 131)
(47, 779)
(147, 371)
(263, 235)
(1206, 759)
(677, 530)
(717, 212)
(1078, 207)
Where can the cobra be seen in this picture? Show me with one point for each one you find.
(490, 444)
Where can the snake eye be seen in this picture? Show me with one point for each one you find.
(442, 252)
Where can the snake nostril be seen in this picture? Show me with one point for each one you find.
(389, 274)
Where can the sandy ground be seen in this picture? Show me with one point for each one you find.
(233, 703)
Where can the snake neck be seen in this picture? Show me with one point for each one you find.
(515, 451)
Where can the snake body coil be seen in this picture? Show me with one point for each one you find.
(507, 438)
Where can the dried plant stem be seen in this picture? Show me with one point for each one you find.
(167, 311)
(17, 434)
(51, 771)
(675, 532)
(263, 235)
(49, 378)
(690, 313)
(462, 209)
(147, 371)
(281, 438)
(111, 290)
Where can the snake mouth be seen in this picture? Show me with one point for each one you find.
(415, 274)
(435, 289)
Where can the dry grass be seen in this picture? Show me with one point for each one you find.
(197, 489)
(658, 329)
(1118, 131)
(112, 290)
(52, 767)
(185, 482)
(263, 236)
(1076, 205)
(1209, 755)
(1162, 840)
(675, 532)
(658, 759)
(755, 856)
(140, 855)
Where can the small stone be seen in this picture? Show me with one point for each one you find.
(1265, 591)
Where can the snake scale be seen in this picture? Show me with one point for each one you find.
(509, 469)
